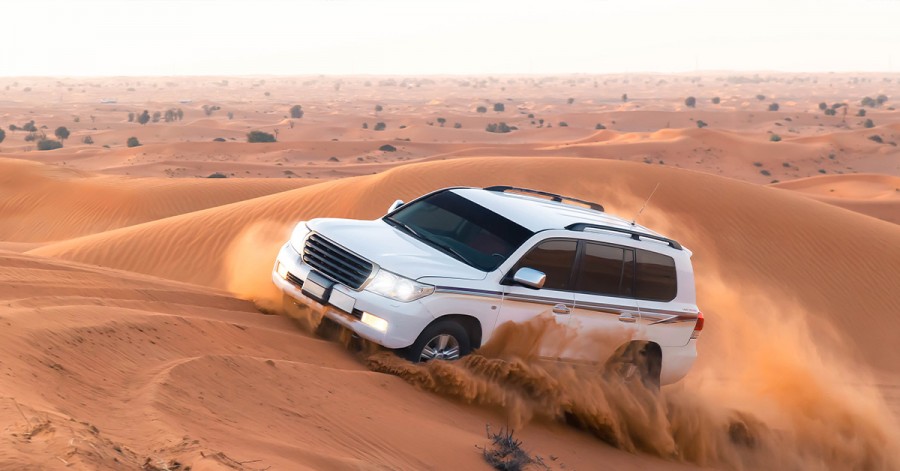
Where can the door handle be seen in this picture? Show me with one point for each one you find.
(627, 317)
(561, 309)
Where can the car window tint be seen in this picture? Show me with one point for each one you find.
(656, 279)
(606, 270)
(555, 259)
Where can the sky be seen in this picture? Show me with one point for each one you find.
(438, 37)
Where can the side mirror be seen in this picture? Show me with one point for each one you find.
(530, 277)
(394, 206)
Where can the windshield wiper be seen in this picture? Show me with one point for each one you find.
(443, 247)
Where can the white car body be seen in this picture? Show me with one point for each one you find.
(445, 287)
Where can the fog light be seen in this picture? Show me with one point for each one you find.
(374, 322)
(281, 270)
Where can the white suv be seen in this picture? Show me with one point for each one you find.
(435, 277)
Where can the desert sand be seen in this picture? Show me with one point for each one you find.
(140, 327)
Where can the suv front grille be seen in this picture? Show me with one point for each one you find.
(335, 262)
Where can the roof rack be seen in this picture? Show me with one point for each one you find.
(552, 196)
(581, 226)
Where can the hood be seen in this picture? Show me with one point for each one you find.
(392, 249)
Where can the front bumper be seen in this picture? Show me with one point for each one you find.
(405, 321)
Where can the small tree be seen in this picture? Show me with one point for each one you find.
(481, 109)
(87, 140)
(861, 112)
(716, 100)
(2, 135)
(387, 148)
(378, 108)
(29, 126)
(760, 97)
(881, 99)
(624, 98)
(379, 126)
(690, 102)
(868, 101)
(823, 106)
(499, 108)
(62, 133)
(156, 116)
(260, 136)
(869, 124)
(830, 112)
(48, 144)
(132, 142)
(570, 101)
(144, 117)
(296, 111)
(441, 121)
(773, 106)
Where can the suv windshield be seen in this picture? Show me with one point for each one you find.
(462, 229)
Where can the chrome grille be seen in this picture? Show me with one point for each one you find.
(335, 262)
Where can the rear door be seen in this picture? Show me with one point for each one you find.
(606, 315)
(666, 322)
(556, 259)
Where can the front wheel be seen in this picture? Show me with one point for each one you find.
(443, 340)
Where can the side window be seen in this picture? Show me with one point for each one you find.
(606, 270)
(553, 257)
(656, 280)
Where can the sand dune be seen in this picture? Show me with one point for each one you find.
(41, 204)
(875, 195)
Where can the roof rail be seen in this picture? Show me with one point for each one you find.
(581, 226)
(552, 196)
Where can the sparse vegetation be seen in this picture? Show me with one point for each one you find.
(144, 117)
(823, 106)
(61, 133)
(217, 175)
(563, 124)
(379, 108)
(133, 142)
(773, 106)
(690, 102)
(760, 97)
(868, 123)
(868, 102)
(499, 108)
(387, 148)
(830, 112)
(876, 138)
(297, 112)
(48, 144)
(441, 121)
(457, 125)
(861, 112)
(208, 110)
(380, 126)
(716, 100)
(624, 98)
(701, 124)
(765, 173)
(570, 101)
(2, 135)
(481, 109)
(599, 126)
(775, 138)
(29, 126)
(499, 127)
(260, 136)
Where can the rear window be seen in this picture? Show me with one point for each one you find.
(655, 279)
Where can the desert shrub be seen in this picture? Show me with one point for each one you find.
(624, 98)
(260, 136)
(481, 109)
(773, 106)
(34, 136)
(869, 123)
(29, 126)
(144, 117)
(775, 138)
(387, 148)
(563, 124)
(757, 164)
(48, 144)
(330, 159)
(13, 128)
(716, 100)
(219, 139)
(208, 110)
(821, 170)
(379, 126)
(881, 99)
(570, 101)
(868, 101)
(296, 111)
(830, 112)
(530, 115)
(457, 125)
(217, 175)
(156, 116)
(690, 102)
(498, 128)
(2, 135)
(701, 124)
(365, 126)
(133, 142)
(230, 115)
(499, 108)
(87, 140)
(379, 108)
(765, 173)
(599, 126)
(760, 97)
(823, 106)
(62, 133)
(876, 138)
(506, 453)
(441, 121)
(861, 112)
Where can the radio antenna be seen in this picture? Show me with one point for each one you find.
(645, 204)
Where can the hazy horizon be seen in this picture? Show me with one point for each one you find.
(402, 37)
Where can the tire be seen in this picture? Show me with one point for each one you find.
(637, 361)
(447, 339)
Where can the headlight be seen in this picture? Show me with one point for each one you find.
(298, 236)
(397, 287)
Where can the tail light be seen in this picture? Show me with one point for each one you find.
(698, 326)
